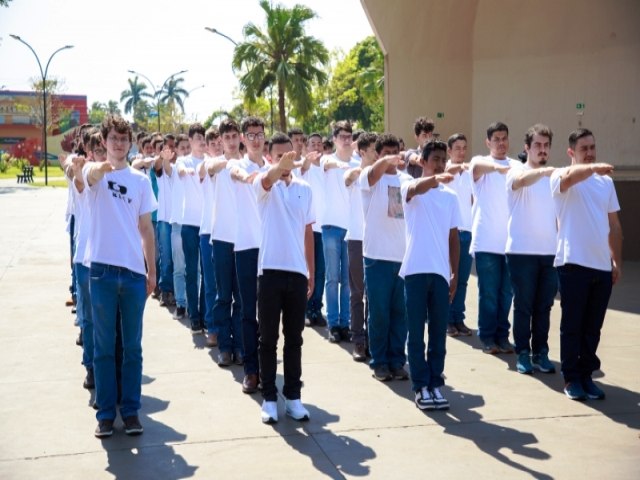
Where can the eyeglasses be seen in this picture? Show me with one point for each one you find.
(345, 137)
(253, 136)
(113, 139)
(99, 151)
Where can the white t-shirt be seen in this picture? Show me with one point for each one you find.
(583, 220)
(384, 226)
(490, 211)
(192, 203)
(315, 178)
(429, 219)
(208, 195)
(285, 212)
(249, 226)
(531, 228)
(224, 223)
(356, 215)
(177, 195)
(336, 211)
(82, 222)
(164, 197)
(462, 185)
(117, 202)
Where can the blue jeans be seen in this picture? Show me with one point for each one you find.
(157, 248)
(457, 308)
(535, 282)
(209, 280)
(83, 308)
(166, 262)
(314, 304)
(337, 276)
(191, 248)
(227, 321)
(387, 314)
(584, 297)
(112, 289)
(494, 297)
(72, 251)
(177, 255)
(427, 298)
(247, 274)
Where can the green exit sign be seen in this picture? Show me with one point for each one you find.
(440, 114)
(580, 106)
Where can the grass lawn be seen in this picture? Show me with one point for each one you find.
(52, 183)
(53, 171)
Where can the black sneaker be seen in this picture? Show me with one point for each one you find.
(79, 340)
(196, 329)
(132, 425)
(382, 373)
(320, 321)
(399, 374)
(345, 334)
(89, 381)
(505, 346)
(592, 390)
(424, 400)
(104, 429)
(334, 335)
(180, 313)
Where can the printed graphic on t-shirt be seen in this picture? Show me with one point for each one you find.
(394, 208)
(118, 191)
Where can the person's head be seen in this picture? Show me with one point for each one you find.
(279, 144)
(327, 146)
(213, 141)
(170, 141)
(314, 143)
(139, 136)
(498, 140)
(196, 140)
(387, 144)
(354, 138)
(146, 147)
(158, 143)
(97, 151)
(297, 139)
(423, 130)
(183, 147)
(537, 144)
(117, 135)
(253, 135)
(230, 135)
(433, 158)
(367, 148)
(457, 147)
(582, 146)
(342, 136)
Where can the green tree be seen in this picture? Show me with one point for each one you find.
(134, 98)
(173, 93)
(282, 56)
(97, 112)
(113, 107)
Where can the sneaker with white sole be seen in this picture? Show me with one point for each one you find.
(440, 402)
(424, 400)
(104, 429)
(132, 425)
(269, 412)
(296, 410)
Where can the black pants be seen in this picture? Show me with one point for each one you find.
(285, 293)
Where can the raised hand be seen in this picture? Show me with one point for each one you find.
(502, 169)
(602, 168)
(444, 178)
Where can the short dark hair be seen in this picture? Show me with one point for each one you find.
(181, 138)
(496, 127)
(95, 140)
(537, 129)
(577, 135)
(356, 134)
(117, 123)
(169, 136)
(327, 143)
(156, 141)
(366, 139)
(140, 135)
(251, 121)
(279, 138)
(454, 138)
(145, 141)
(387, 140)
(342, 125)
(423, 124)
(432, 146)
(211, 134)
(228, 125)
(295, 131)
(196, 128)
(313, 135)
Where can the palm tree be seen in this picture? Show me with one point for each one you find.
(113, 108)
(281, 56)
(134, 95)
(172, 92)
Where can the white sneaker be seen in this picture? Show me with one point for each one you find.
(296, 410)
(440, 402)
(424, 400)
(269, 412)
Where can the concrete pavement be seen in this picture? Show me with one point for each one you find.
(199, 424)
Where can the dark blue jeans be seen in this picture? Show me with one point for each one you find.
(535, 282)
(337, 275)
(84, 314)
(427, 300)
(314, 304)
(195, 285)
(228, 322)
(387, 314)
(584, 297)
(209, 279)
(457, 307)
(72, 251)
(247, 272)
(166, 260)
(494, 296)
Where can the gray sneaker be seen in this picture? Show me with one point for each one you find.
(541, 362)
(523, 364)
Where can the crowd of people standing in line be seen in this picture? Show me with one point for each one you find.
(237, 234)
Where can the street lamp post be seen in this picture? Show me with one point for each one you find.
(156, 92)
(43, 75)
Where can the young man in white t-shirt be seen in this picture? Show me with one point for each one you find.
(423, 130)
(588, 258)
(120, 241)
(531, 246)
(489, 239)
(383, 249)
(462, 185)
(285, 269)
(429, 268)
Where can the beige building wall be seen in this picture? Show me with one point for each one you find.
(521, 62)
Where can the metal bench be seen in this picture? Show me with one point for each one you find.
(26, 176)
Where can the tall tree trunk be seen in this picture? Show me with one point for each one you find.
(281, 112)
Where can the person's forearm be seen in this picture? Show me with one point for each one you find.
(454, 251)
(421, 186)
(575, 174)
(377, 171)
(482, 167)
(271, 177)
(529, 177)
(309, 251)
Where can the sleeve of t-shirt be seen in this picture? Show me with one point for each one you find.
(148, 203)
(511, 176)
(310, 215)
(456, 216)
(363, 179)
(614, 206)
(261, 193)
(85, 177)
(554, 181)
